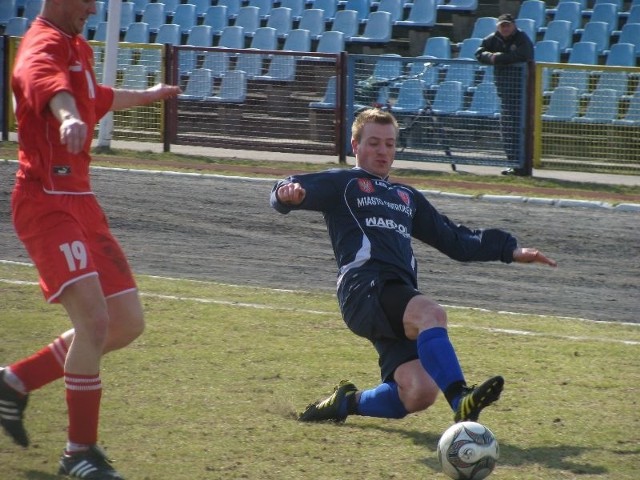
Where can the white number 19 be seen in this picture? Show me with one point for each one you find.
(75, 254)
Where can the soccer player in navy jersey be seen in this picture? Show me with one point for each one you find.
(371, 222)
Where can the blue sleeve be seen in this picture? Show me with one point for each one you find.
(322, 191)
(457, 241)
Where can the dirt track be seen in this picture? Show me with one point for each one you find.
(224, 230)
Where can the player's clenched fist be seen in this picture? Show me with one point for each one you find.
(291, 194)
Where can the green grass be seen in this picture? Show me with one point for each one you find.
(211, 389)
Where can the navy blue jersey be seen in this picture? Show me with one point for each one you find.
(371, 222)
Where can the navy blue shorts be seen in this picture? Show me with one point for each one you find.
(373, 307)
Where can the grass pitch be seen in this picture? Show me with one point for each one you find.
(211, 390)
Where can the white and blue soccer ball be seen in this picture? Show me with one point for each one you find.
(468, 451)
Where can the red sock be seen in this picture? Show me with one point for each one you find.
(42, 367)
(83, 402)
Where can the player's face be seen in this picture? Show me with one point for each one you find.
(76, 13)
(377, 148)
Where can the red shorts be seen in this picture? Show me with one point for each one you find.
(68, 238)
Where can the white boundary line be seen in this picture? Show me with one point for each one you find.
(336, 314)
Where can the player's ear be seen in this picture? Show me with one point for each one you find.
(354, 146)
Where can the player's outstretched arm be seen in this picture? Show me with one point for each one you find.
(123, 99)
(532, 255)
(291, 194)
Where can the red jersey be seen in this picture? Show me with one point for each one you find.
(50, 61)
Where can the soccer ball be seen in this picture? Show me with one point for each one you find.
(468, 451)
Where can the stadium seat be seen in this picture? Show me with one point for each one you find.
(346, 21)
(578, 79)
(312, 20)
(199, 36)
(622, 55)
(463, 73)
(546, 51)
(199, 85)
(468, 48)
(100, 34)
(265, 38)
(329, 99)
(411, 98)
(634, 14)
(233, 88)
(422, 68)
(233, 7)
(331, 42)
(250, 63)
(217, 62)
(596, 32)
(423, 13)
(139, 6)
(7, 11)
(16, 27)
(264, 7)
(394, 7)
(170, 6)
(459, 6)
(135, 77)
(387, 67)
(328, 7)
(560, 31)
(296, 6)
(298, 40)
(185, 16)
(484, 26)
(280, 20)
(168, 33)
(201, 7)
(617, 3)
(137, 32)
(282, 68)
(92, 20)
(249, 19)
(528, 26)
(630, 33)
(232, 36)
(583, 53)
(127, 15)
(154, 16)
(448, 99)
(32, 9)
(563, 104)
(533, 10)
(216, 18)
(570, 11)
(614, 80)
(485, 102)
(607, 13)
(632, 115)
(363, 7)
(602, 107)
(437, 47)
(377, 30)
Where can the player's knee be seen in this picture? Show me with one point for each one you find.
(418, 398)
(424, 313)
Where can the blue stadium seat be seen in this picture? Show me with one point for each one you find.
(584, 53)
(634, 14)
(331, 42)
(154, 16)
(264, 7)
(426, 71)
(16, 27)
(201, 7)
(329, 99)
(570, 11)
(622, 55)
(280, 20)
(135, 77)
(346, 21)
(377, 30)
(617, 3)
(387, 67)
(423, 13)
(484, 26)
(546, 51)
(233, 88)
(312, 20)
(607, 13)
(459, 6)
(578, 79)
(265, 38)
(631, 118)
(468, 48)
(463, 73)
(602, 107)
(298, 40)
(93, 20)
(232, 36)
(596, 32)
(7, 11)
(139, 6)
(137, 32)
(250, 63)
(448, 99)
(394, 7)
(233, 7)
(168, 33)
(32, 9)
(328, 7)
(411, 97)
(614, 80)
(437, 47)
(217, 62)
(534, 10)
(560, 31)
(199, 36)
(296, 6)
(185, 16)
(216, 18)
(127, 15)
(563, 104)
(363, 7)
(249, 19)
(199, 85)
(100, 35)
(630, 33)
(282, 68)
(528, 26)
(485, 102)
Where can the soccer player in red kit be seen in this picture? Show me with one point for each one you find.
(64, 230)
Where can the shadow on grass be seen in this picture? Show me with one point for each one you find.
(38, 475)
(554, 457)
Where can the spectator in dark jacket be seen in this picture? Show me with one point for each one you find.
(505, 47)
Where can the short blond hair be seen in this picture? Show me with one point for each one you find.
(372, 115)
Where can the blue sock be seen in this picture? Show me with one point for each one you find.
(439, 359)
(382, 401)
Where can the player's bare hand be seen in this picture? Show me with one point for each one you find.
(73, 134)
(161, 91)
(291, 194)
(532, 255)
